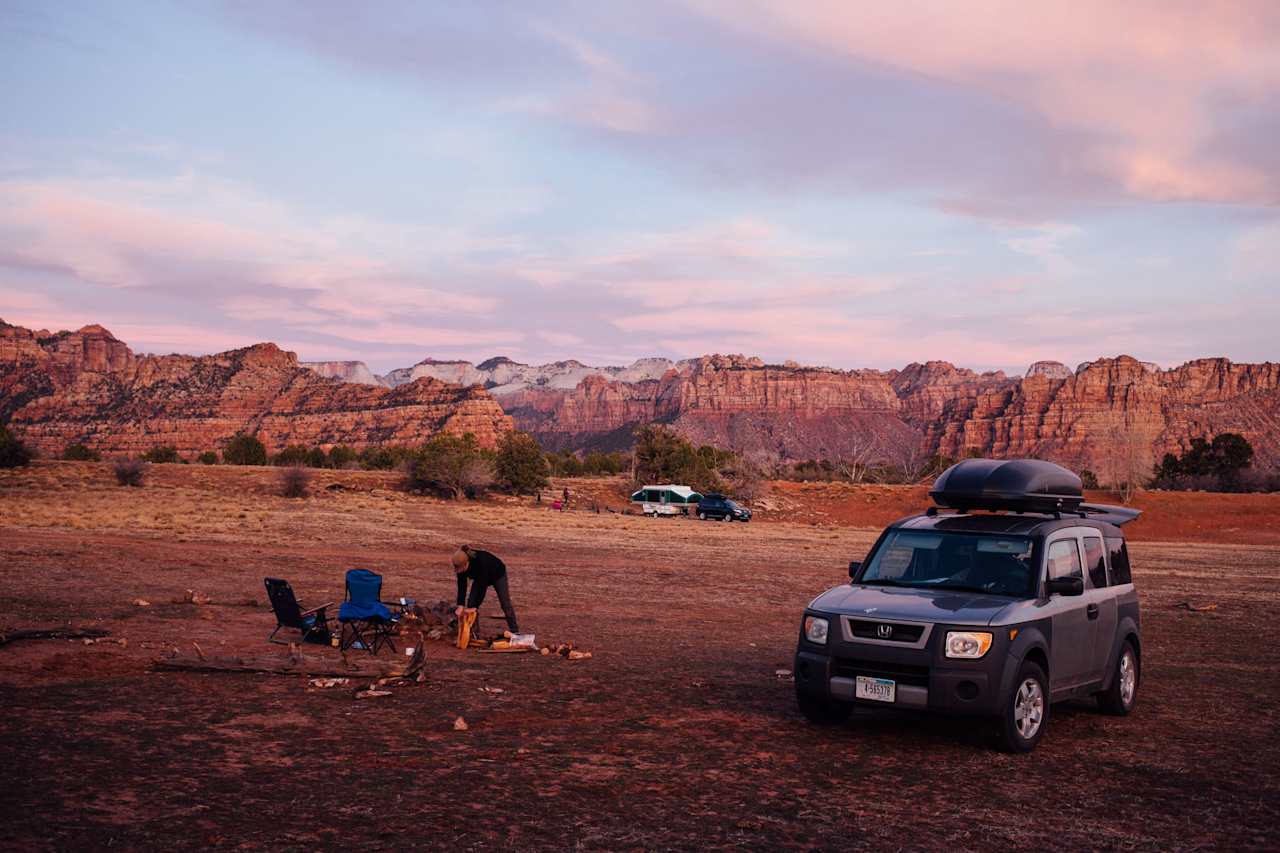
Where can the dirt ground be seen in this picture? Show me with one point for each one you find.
(677, 734)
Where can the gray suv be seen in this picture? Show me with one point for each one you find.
(994, 613)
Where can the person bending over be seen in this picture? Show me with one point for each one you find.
(484, 570)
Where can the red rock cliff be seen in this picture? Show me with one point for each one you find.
(802, 412)
(87, 386)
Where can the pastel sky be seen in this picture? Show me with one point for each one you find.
(841, 183)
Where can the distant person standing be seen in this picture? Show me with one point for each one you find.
(484, 570)
(564, 501)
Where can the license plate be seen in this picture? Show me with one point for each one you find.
(875, 689)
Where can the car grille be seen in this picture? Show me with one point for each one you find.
(902, 632)
(903, 673)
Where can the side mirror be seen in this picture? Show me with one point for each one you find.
(1064, 586)
(854, 565)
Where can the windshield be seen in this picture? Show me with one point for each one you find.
(999, 565)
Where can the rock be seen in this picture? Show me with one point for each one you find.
(460, 725)
(347, 371)
(141, 602)
(87, 386)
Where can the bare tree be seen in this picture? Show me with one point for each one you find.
(856, 464)
(1123, 453)
(907, 462)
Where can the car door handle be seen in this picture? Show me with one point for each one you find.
(1092, 610)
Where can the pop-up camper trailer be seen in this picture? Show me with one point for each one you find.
(666, 499)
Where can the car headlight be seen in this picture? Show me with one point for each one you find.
(967, 644)
(815, 629)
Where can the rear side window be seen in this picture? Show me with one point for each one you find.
(1096, 561)
(1119, 561)
(1064, 560)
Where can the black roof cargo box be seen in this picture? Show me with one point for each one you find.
(1018, 485)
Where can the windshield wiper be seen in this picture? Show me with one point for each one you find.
(884, 582)
(963, 588)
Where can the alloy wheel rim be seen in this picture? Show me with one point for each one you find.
(1028, 708)
(1128, 678)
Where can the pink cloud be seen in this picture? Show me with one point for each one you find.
(1141, 78)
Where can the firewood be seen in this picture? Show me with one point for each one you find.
(269, 664)
(49, 634)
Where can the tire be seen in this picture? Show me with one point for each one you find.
(1026, 710)
(726, 518)
(702, 516)
(1120, 698)
(823, 712)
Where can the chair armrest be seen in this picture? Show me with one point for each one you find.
(317, 609)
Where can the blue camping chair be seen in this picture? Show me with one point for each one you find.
(367, 623)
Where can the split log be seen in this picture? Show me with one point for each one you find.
(50, 634)
(274, 665)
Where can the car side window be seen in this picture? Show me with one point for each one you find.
(1064, 560)
(1095, 559)
(1119, 554)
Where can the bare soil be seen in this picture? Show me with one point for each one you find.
(676, 734)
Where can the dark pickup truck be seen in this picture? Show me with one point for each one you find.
(993, 614)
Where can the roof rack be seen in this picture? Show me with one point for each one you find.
(1116, 515)
(1016, 485)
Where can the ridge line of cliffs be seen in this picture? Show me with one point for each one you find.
(87, 386)
(1081, 418)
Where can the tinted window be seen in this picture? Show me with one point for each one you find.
(1096, 561)
(1119, 561)
(1064, 560)
(983, 563)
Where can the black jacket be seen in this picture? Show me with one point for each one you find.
(482, 569)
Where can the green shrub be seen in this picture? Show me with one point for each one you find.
(452, 466)
(388, 457)
(663, 456)
(13, 453)
(294, 454)
(317, 458)
(1217, 464)
(244, 450)
(81, 453)
(209, 457)
(163, 453)
(341, 456)
(520, 465)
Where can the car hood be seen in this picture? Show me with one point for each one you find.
(922, 605)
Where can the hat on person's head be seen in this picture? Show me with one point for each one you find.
(460, 559)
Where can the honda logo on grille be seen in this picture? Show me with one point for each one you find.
(884, 632)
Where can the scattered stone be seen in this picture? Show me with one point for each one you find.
(371, 694)
(460, 725)
(328, 682)
(141, 602)
(579, 655)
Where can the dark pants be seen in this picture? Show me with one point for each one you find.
(476, 598)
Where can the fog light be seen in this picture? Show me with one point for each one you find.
(967, 690)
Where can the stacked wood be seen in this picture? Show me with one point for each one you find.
(50, 634)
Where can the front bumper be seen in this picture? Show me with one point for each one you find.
(924, 679)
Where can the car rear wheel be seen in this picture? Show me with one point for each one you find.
(1120, 698)
(1026, 710)
(726, 518)
(702, 516)
(823, 712)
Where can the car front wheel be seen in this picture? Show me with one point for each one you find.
(702, 516)
(1120, 698)
(1026, 710)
